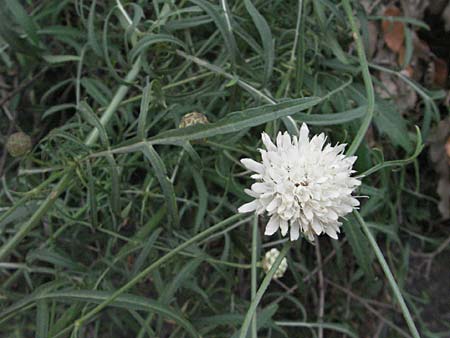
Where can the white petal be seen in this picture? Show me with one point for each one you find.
(295, 231)
(308, 212)
(286, 140)
(260, 188)
(268, 142)
(253, 165)
(272, 226)
(317, 227)
(304, 132)
(273, 205)
(248, 207)
(331, 232)
(284, 227)
(251, 193)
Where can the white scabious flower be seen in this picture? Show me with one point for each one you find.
(303, 185)
(269, 259)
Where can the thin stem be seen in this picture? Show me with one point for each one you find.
(321, 288)
(389, 276)
(253, 271)
(262, 289)
(367, 81)
(120, 94)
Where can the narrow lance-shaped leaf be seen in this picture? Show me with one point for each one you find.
(266, 39)
(166, 186)
(89, 115)
(236, 121)
(221, 24)
(42, 316)
(359, 245)
(145, 103)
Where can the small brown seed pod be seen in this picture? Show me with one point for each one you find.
(193, 118)
(18, 144)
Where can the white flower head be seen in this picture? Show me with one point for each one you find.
(302, 184)
(269, 259)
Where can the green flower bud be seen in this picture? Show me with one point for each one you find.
(18, 144)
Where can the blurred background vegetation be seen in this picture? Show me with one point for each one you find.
(85, 208)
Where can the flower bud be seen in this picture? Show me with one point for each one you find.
(18, 144)
(269, 259)
(193, 118)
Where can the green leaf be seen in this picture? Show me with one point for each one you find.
(42, 319)
(390, 122)
(359, 245)
(91, 30)
(89, 115)
(55, 59)
(145, 103)
(223, 27)
(140, 260)
(266, 38)
(24, 20)
(125, 301)
(236, 121)
(152, 39)
(166, 186)
(202, 197)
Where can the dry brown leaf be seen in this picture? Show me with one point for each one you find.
(447, 149)
(440, 72)
(394, 31)
(439, 153)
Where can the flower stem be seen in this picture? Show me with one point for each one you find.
(262, 289)
(389, 276)
(367, 81)
(253, 271)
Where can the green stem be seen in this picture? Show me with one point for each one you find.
(253, 271)
(262, 289)
(153, 266)
(389, 276)
(367, 81)
(118, 97)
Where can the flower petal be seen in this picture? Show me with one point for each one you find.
(272, 226)
(273, 205)
(304, 132)
(248, 207)
(295, 231)
(268, 142)
(253, 165)
(317, 227)
(284, 227)
(331, 232)
(260, 188)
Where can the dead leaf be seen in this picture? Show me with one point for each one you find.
(447, 149)
(440, 156)
(394, 31)
(440, 72)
